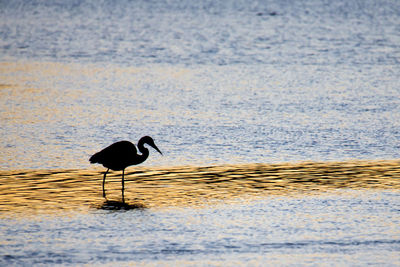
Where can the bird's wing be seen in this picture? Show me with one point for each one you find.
(118, 150)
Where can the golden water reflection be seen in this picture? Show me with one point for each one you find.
(43, 191)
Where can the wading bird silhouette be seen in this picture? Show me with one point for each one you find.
(122, 154)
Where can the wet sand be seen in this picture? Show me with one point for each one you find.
(47, 191)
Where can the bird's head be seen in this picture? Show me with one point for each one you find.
(148, 140)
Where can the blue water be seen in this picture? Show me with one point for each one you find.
(281, 33)
(213, 82)
(351, 228)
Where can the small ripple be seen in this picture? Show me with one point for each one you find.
(302, 244)
(32, 191)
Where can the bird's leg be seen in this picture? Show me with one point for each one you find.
(104, 180)
(123, 199)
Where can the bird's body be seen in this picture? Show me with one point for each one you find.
(118, 156)
(122, 154)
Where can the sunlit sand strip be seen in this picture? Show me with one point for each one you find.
(42, 191)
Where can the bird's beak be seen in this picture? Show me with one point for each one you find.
(156, 148)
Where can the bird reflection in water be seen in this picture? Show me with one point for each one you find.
(118, 205)
(117, 157)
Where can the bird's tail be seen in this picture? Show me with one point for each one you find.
(95, 158)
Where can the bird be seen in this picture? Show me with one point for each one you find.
(122, 154)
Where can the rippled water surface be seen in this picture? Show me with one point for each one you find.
(50, 191)
(341, 229)
(57, 115)
(278, 122)
(218, 82)
(341, 212)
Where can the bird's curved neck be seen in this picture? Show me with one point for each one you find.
(143, 150)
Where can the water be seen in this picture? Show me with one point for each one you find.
(214, 83)
(175, 32)
(211, 82)
(353, 228)
(345, 213)
(51, 191)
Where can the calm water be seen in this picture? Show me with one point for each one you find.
(214, 83)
